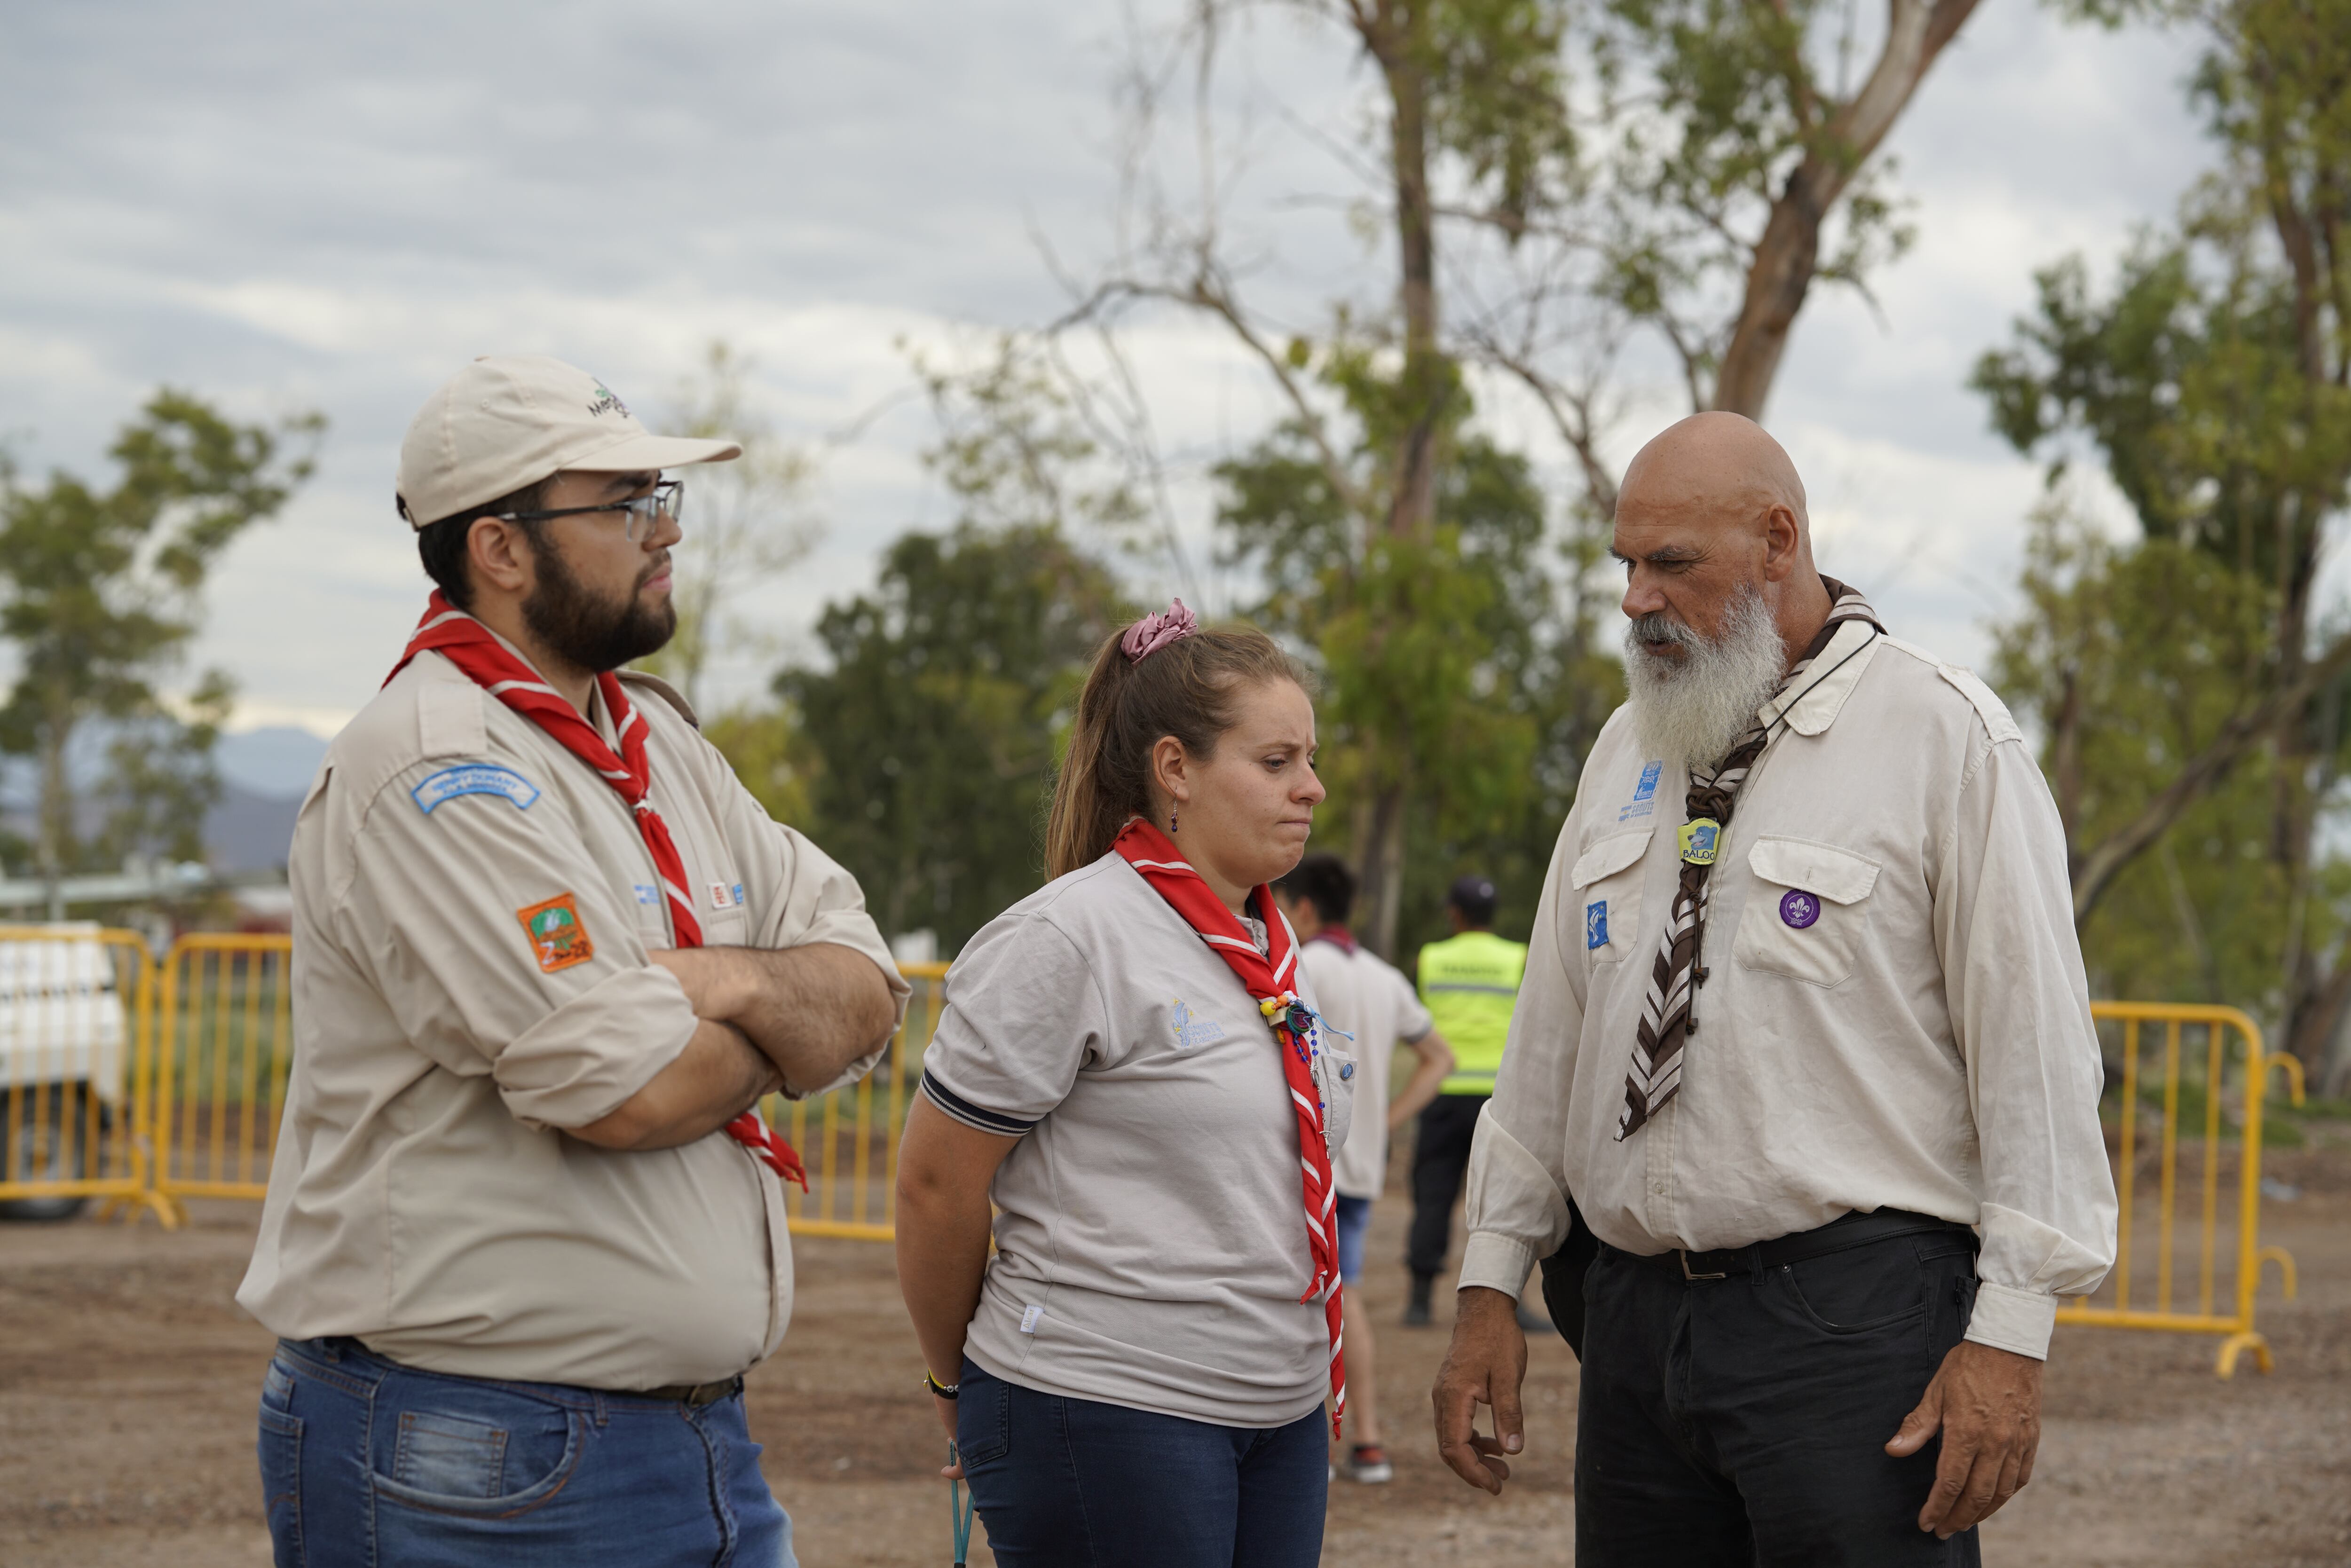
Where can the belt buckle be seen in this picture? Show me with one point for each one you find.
(1689, 1277)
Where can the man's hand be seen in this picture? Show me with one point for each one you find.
(811, 1010)
(1484, 1365)
(1987, 1403)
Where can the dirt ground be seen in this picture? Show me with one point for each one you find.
(128, 1379)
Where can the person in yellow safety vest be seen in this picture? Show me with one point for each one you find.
(1469, 982)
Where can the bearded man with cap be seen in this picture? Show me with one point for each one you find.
(524, 1229)
(1804, 1035)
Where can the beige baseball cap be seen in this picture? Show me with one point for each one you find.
(510, 420)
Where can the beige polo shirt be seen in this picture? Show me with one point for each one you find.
(1894, 1014)
(473, 911)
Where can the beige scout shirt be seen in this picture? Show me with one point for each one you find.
(424, 1197)
(1894, 1015)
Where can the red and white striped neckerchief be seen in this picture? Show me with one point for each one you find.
(1271, 976)
(468, 644)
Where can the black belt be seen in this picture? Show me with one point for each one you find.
(1849, 1230)
(695, 1394)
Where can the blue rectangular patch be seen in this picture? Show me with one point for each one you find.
(1595, 925)
(474, 778)
(1648, 789)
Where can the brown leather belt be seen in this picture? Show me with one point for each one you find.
(1847, 1231)
(695, 1394)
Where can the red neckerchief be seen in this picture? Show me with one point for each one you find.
(468, 644)
(1339, 937)
(1269, 977)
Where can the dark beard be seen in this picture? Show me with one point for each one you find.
(588, 632)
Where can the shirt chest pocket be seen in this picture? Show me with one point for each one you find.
(1806, 914)
(1607, 882)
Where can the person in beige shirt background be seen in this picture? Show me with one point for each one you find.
(525, 1230)
(1805, 1037)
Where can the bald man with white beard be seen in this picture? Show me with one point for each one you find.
(1812, 1054)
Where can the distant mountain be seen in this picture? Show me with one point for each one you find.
(248, 831)
(279, 760)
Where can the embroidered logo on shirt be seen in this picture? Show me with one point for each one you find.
(647, 895)
(474, 778)
(1699, 840)
(558, 939)
(1595, 925)
(1189, 1033)
(1799, 908)
(1029, 1316)
(723, 896)
(1644, 797)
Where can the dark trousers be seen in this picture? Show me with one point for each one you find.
(1743, 1420)
(1440, 1158)
(1077, 1483)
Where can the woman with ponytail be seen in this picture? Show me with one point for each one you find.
(1127, 1072)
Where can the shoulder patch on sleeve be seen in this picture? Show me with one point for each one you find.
(474, 778)
(1998, 720)
(558, 939)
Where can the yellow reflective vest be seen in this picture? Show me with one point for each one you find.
(1470, 982)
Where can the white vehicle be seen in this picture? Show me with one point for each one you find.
(64, 1062)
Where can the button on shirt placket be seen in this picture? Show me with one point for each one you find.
(1661, 1166)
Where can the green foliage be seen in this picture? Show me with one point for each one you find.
(2185, 379)
(939, 719)
(769, 750)
(1455, 666)
(1711, 106)
(2131, 657)
(102, 596)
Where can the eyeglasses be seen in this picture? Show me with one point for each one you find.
(669, 495)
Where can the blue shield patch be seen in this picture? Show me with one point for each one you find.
(474, 778)
(1595, 925)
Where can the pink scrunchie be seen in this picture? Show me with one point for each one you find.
(1152, 633)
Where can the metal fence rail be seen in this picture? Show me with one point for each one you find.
(849, 1139)
(2201, 1084)
(77, 1012)
(224, 1043)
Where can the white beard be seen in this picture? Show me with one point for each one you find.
(1691, 711)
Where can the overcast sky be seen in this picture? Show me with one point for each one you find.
(285, 207)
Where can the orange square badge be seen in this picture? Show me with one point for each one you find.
(558, 939)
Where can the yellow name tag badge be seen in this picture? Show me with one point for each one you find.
(1699, 841)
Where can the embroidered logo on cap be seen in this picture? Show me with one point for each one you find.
(1595, 925)
(1799, 908)
(558, 939)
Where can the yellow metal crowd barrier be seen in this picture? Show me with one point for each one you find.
(146, 1084)
(77, 1012)
(2223, 1306)
(848, 1139)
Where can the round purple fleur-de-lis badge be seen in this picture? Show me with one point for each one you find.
(1799, 908)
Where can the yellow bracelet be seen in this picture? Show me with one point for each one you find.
(943, 1390)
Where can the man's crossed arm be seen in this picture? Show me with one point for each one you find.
(771, 1018)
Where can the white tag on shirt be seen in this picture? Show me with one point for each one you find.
(723, 896)
(1028, 1317)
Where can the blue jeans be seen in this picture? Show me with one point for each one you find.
(1353, 1215)
(1075, 1484)
(367, 1464)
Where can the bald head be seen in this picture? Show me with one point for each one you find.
(1723, 464)
(1711, 513)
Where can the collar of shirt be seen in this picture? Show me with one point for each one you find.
(1814, 705)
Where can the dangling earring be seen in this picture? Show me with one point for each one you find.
(1171, 820)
